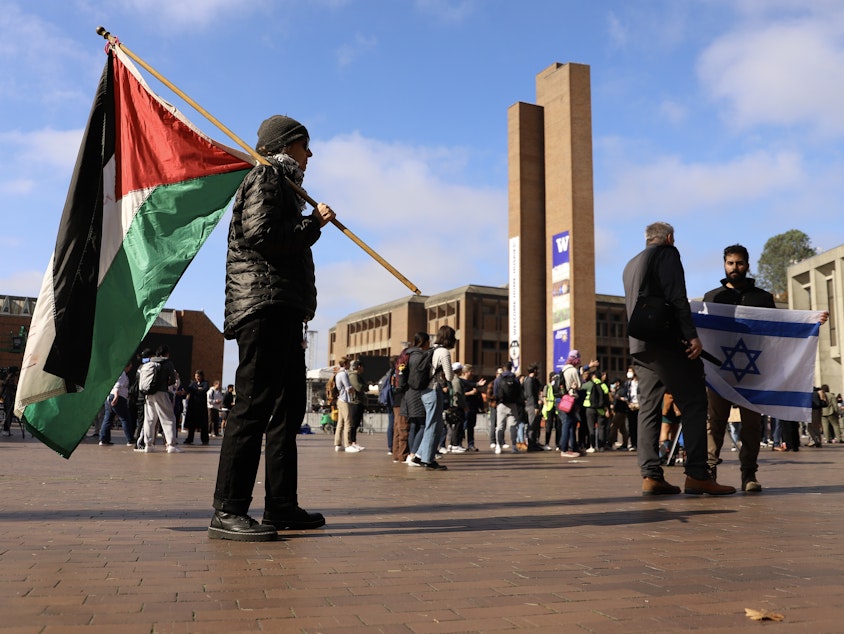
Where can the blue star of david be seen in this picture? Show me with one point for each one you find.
(750, 360)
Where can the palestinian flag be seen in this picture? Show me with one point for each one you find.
(147, 190)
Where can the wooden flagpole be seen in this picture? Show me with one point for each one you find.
(114, 41)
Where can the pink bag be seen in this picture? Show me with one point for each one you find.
(566, 403)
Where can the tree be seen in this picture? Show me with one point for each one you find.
(779, 252)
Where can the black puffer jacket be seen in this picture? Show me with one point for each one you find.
(269, 262)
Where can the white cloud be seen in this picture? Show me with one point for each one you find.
(22, 283)
(617, 31)
(447, 11)
(391, 187)
(776, 8)
(789, 72)
(17, 186)
(629, 28)
(27, 158)
(190, 13)
(40, 62)
(673, 112)
(54, 148)
(668, 187)
(361, 44)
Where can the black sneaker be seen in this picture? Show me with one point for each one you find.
(294, 518)
(239, 528)
(434, 466)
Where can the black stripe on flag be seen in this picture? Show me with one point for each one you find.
(76, 258)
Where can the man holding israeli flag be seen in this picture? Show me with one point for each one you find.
(763, 356)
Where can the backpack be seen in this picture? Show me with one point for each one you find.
(331, 390)
(401, 371)
(597, 398)
(419, 373)
(453, 416)
(555, 385)
(149, 377)
(510, 388)
(385, 389)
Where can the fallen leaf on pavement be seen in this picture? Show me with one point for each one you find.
(763, 615)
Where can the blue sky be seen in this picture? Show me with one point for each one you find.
(724, 118)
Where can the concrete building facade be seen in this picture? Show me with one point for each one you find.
(816, 284)
(551, 215)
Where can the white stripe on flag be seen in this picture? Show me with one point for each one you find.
(42, 332)
(117, 218)
(767, 356)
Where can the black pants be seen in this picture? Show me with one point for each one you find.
(196, 418)
(534, 424)
(355, 421)
(633, 426)
(270, 388)
(469, 426)
(791, 434)
(669, 370)
(553, 424)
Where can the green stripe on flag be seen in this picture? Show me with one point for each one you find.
(165, 235)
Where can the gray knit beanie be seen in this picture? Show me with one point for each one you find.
(277, 132)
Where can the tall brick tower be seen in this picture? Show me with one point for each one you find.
(551, 248)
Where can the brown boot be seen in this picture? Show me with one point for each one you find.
(652, 486)
(709, 486)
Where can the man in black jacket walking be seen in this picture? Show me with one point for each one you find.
(737, 289)
(672, 364)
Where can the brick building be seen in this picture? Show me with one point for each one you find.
(194, 341)
(479, 315)
(15, 315)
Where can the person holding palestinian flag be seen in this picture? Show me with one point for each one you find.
(270, 297)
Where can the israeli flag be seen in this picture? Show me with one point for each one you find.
(766, 356)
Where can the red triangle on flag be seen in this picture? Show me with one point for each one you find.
(153, 146)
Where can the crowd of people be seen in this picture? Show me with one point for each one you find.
(434, 400)
(662, 409)
(603, 415)
(149, 401)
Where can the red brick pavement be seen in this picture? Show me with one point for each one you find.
(115, 541)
